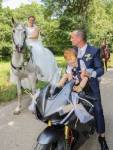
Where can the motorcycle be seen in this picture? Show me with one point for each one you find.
(58, 112)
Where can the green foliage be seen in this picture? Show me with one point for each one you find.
(21, 14)
(69, 15)
(100, 23)
(57, 18)
(5, 33)
(94, 16)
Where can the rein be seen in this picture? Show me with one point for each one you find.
(16, 68)
(16, 47)
(17, 50)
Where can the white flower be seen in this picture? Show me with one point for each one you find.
(88, 57)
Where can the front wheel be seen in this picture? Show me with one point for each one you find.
(42, 147)
(54, 146)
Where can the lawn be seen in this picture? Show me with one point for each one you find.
(8, 91)
(110, 64)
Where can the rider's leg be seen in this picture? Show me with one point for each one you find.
(99, 116)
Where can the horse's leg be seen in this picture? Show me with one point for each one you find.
(33, 80)
(19, 92)
(106, 64)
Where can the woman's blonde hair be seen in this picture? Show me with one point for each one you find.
(69, 54)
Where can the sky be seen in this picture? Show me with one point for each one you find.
(17, 3)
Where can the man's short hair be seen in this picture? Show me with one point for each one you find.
(81, 33)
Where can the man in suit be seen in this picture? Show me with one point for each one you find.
(91, 56)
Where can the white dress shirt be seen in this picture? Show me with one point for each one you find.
(81, 51)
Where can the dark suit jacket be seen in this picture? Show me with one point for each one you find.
(92, 60)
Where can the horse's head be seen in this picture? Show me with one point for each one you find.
(19, 35)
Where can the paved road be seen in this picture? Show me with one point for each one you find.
(20, 132)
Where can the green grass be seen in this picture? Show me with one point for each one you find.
(8, 91)
(110, 63)
(61, 62)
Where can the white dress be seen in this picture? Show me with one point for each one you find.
(46, 65)
(41, 56)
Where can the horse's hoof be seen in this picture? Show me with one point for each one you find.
(16, 112)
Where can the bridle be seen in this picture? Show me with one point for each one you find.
(16, 68)
(19, 50)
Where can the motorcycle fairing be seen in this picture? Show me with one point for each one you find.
(50, 105)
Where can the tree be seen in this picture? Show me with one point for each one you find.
(70, 15)
(5, 32)
(57, 18)
(21, 14)
(99, 22)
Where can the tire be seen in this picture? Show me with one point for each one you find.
(61, 145)
(46, 147)
(42, 147)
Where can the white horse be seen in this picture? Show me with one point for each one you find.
(28, 71)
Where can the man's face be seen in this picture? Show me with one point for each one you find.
(75, 39)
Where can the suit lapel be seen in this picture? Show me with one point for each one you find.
(88, 55)
(87, 50)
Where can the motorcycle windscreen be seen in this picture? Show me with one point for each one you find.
(41, 100)
(52, 105)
